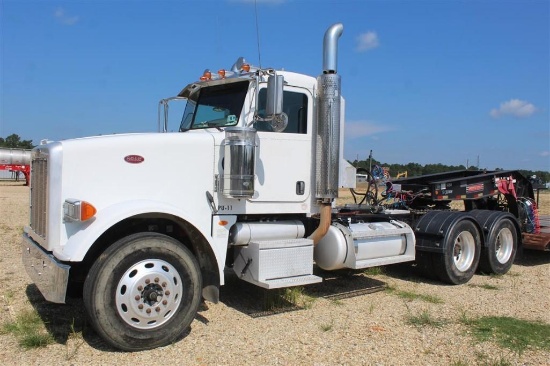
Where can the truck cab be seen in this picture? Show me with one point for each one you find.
(282, 155)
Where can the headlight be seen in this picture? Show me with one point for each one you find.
(77, 210)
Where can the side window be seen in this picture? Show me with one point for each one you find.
(295, 107)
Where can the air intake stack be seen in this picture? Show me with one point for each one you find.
(328, 119)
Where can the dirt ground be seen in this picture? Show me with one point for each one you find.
(345, 320)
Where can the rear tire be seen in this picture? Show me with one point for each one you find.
(143, 292)
(459, 261)
(500, 252)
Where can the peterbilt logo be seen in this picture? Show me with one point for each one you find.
(134, 159)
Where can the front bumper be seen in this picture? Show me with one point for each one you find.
(50, 276)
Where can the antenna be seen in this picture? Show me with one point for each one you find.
(257, 32)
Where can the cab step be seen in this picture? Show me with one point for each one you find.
(276, 263)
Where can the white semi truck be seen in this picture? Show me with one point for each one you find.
(253, 173)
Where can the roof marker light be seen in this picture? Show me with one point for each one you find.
(206, 75)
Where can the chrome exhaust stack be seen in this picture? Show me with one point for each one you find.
(330, 48)
(328, 119)
(327, 140)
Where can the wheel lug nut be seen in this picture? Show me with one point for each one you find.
(164, 284)
(164, 302)
(147, 281)
(157, 309)
(148, 311)
(167, 292)
(140, 306)
(140, 288)
(157, 279)
(137, 297)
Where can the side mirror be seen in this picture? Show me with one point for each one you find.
(274, 103)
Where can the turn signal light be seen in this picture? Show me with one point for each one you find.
(87, 211)
(76, 210)
(221, 73)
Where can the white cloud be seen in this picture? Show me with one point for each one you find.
(64, 18)
(514, 107)
(545, 153)
(367, 41)
(356, 129)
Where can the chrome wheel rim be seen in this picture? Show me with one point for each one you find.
(464, 251)
(148, 294)
(504, 245)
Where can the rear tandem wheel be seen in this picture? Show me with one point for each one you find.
(459, 261)
(500, 252)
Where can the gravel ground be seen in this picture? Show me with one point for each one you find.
(369, 328)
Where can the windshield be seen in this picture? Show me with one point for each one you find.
(214, 106)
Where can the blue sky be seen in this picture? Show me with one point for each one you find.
(425, 81)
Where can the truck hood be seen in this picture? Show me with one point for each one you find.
(164, 168)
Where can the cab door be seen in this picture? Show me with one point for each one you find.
(284, 159)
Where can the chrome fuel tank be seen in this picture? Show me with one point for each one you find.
(365, 245)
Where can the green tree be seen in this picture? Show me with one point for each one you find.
(13, 141)
(542, 175)
(415, 169)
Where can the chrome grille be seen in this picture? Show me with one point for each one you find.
(39, 196)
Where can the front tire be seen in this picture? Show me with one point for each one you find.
(459, 261)
(143, 292)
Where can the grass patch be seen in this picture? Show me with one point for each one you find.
(8, 297)
(296, 296)
(291, 296)
(424, 319)
(76, 338)
(459, 363)
(337, 302)
(485, 286)
(5, 227)
(410, 296)
(28, 328)
(513, 274)
(514, 334)
(483, 360)
(374, 271)
(499, 362)
(327, 327)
